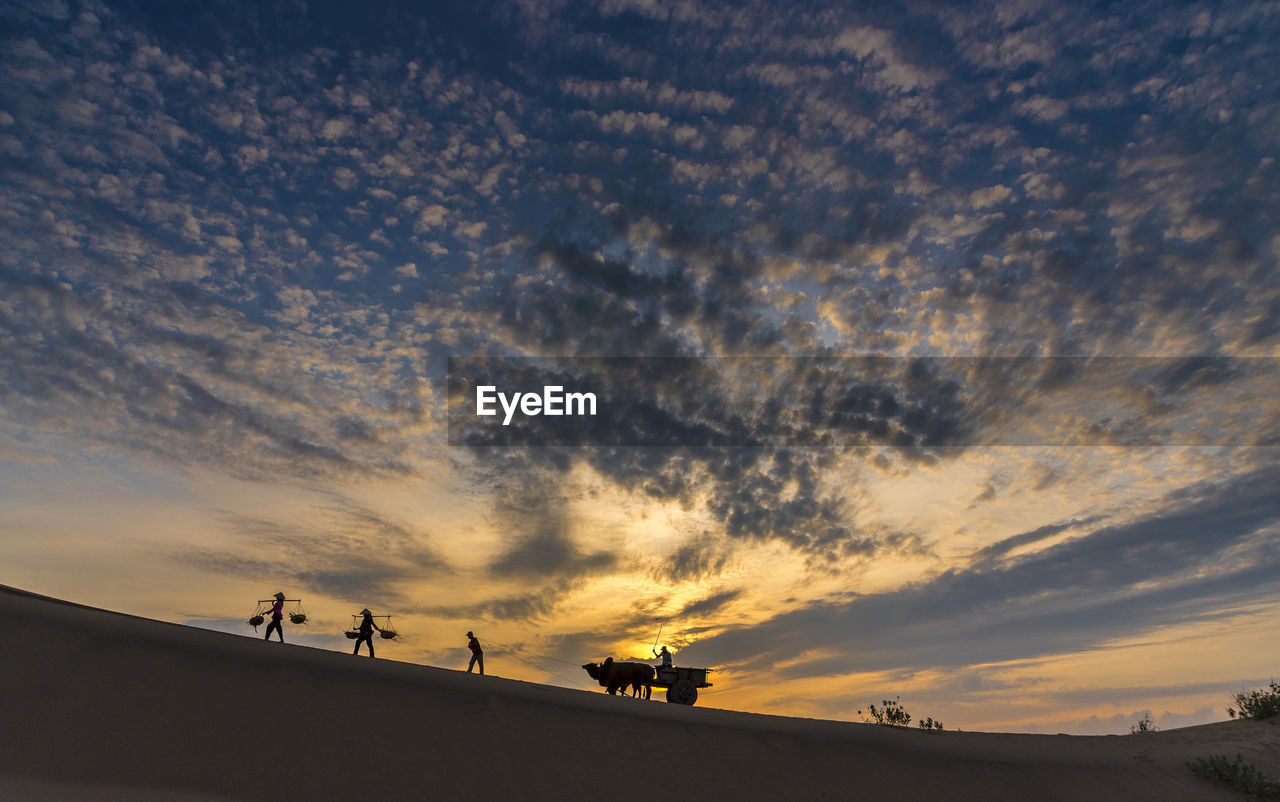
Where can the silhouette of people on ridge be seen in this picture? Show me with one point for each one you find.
(477, 654)
(277, 613)
(366, 631)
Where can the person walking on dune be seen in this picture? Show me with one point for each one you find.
(477, 654)
(277, 613)
(366, 631)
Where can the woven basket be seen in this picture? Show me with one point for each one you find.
(352, 634)
(256, 621)
(389, 634)
(298, 618)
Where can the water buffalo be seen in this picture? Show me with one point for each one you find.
(613, 676)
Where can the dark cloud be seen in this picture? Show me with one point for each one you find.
(933, 408)
(1078, 594)
(632, 616)
(113, 376)
(708, 605)
(998, 550)
(548, 552)
(526, 607)
(1043, 477)
(674, 218)
(988, 494)
(576, 648)
(755, 493)
(343, 550)
(701, 557)
(541, 555)
(540, 542)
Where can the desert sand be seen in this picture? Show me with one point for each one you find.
(104, 706)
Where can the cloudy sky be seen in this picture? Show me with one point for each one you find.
(243, 242)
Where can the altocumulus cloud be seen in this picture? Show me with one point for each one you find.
(248, 239)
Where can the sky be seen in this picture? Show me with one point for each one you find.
(243, 243)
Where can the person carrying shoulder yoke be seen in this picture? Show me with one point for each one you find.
(277, 613)
(366, 631)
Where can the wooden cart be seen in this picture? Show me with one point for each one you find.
(682, 683)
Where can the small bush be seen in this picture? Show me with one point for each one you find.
(1239, 776)
(893, 714)
(1145, 724)
(1256, 705)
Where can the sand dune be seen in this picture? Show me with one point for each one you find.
(99, 705)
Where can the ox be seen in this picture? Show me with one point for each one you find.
(613, 676)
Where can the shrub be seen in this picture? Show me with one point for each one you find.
(1239, 775)
(1145, 724)
(1256, 705)
(893, 714)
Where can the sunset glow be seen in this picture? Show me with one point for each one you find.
(242, 246)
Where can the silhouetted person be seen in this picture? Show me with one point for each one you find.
(277, 613)
(477, 654)
(665, 655)
(366, 631)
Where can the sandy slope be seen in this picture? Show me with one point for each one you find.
(98, 705)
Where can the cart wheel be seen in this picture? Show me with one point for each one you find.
(682, 693)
